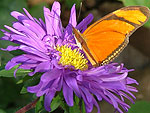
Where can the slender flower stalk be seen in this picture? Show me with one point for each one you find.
(51, 49)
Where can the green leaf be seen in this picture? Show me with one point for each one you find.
(65, 107)
(5, 56)
(138, 2)
(75, 108)
(39, 106)
(20, 81)
(77, 100)
(2, 111)
(63, 104)
(10, 95)
(26, 78)
(16, 52)
(23, 90)
(55, 103)
(2, 67)
(10, 73)
(140, 107)
(31, 80)
(83, 107)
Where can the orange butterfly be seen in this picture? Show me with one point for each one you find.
(105, 39)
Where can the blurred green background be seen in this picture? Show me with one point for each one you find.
(136, 55)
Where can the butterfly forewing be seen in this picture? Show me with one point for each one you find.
(107, 37)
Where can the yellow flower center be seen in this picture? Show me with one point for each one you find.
(72, 57)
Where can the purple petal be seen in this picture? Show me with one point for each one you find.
(22, 28)
(42, 67)
(48, 21)
(67, 33)
(94, 91)
(28, 14)
(88, 106)
(5, 38)
(30, 41)
(34, 27)
(131, 94)
(33, 57)
(10, 65)
(68, 94)
(48, 99)
(16, 71)
(97, 105)
(87, 94)
(125, 95)
(34, 89)
(131, 81)
(42, 24)
(60, 84)
(28, 65)
(72, 83)
(19, 16)
(15, 61)
(45, 88)
(116, 77)
(55, 12)
(131, 88)
(83, 24)
(33, 51)
(10, 48)
(111, 96)
(13, 30)
(79, 77)
(114, 85)
(50, 75)
(72, 20)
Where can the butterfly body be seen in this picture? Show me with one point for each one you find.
(104, 40)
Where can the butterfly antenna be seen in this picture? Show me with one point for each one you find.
(79, 11)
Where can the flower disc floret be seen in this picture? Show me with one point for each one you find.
(72, 57)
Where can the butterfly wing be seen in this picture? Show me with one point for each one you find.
(106, 38)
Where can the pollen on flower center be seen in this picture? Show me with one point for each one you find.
(72, 57)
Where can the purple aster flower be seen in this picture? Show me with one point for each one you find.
(50, 48)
